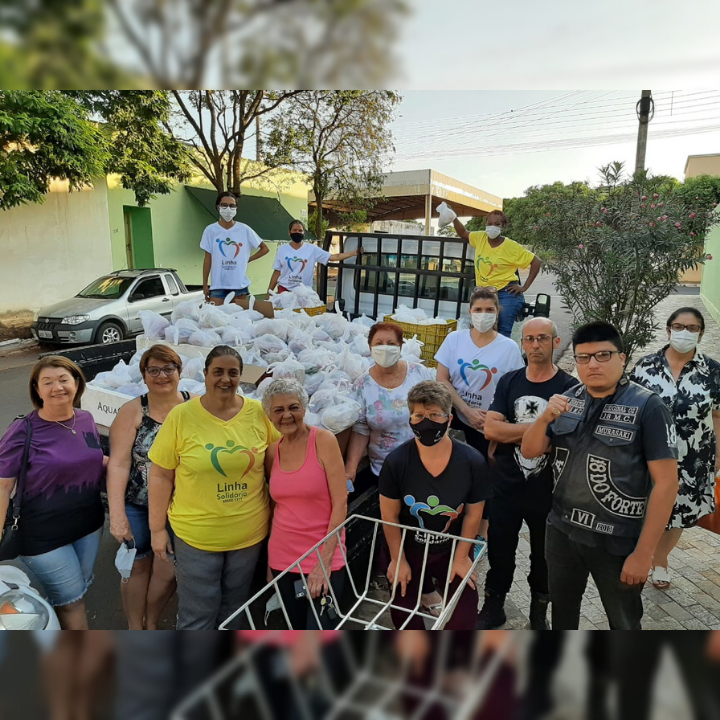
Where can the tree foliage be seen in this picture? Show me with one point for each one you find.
(78, 136)
(341, 140)
(45, 135)
(616, 250)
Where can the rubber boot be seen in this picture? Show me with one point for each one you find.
(492, 615)
(538, 611)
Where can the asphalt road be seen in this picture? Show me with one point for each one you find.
(103, 599)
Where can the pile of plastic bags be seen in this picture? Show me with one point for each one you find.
(301, 296)
(325, 353)
(415, 316)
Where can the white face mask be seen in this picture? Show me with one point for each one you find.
(227, 214)
(684, 341)
(483, 322)
(385, 355)
(493, 231)
(124, 561)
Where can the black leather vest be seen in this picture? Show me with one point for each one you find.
(602, 481)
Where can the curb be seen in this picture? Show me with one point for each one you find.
(16, 344)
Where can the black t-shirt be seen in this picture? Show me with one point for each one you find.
(434, 503)
(521, 401)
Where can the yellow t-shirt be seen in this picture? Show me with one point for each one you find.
(220, 501)
(496, 266)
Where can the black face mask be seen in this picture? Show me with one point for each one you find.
(297, 237)
(429, 433)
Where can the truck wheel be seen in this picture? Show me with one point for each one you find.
(109, 332)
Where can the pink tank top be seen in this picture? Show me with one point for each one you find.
(302, 512)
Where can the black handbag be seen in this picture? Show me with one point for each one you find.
(11, 542)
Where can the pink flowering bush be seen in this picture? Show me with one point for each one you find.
(613, 257)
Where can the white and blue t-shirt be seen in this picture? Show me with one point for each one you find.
(475, 371)
(230, 251)
(296, 266)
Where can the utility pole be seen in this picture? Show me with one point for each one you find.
(645, 110)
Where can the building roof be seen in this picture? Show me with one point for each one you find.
(266, 216)
(404, 194)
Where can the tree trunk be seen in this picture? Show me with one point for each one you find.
(318, 229)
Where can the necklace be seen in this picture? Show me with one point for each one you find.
(71, 429)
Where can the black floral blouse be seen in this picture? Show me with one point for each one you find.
(692, 400)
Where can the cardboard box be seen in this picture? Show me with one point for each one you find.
(262, 306)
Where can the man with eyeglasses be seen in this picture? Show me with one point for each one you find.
(616, 479)
(522, 489)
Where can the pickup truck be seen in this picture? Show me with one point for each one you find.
(433, 273)
(106, 311)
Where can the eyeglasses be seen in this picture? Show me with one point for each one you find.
(435, 417)
(601, 356)
(530, 339)
(679, 327)
(168, 370)
(224, 205)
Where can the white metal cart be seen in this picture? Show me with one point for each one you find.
(367, 610)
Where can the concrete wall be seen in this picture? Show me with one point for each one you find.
(50, 251)
(178, 221)
(702, 165)
(710, 288)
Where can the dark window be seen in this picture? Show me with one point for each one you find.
(150, 288)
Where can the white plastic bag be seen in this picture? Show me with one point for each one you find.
(204, 338)
(446, 214)
(262, 387)
(279, 328)
(313, 419)
(342, 416)
(314, 381)
(118, 376)
(212, 317)
(132, 389)
(181, 331)
(232, 336)
(189, 309)
(365, 321)
(360, 346)
(351, 363)
(412, 349)
(289, 368)
(284, 300)
(278, 357)
(307, 297)
(194, 387)
(193, 370)
(333, 324)
(153, 324)
(250, 357)
(321, 400)
(265, 344)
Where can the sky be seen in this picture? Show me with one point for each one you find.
(472, 136)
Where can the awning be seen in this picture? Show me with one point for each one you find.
(266, 216)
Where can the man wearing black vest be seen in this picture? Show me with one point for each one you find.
(615, 469)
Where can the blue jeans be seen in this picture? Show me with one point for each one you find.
(66, 573)
(138, 518)
(223, 293)
(510, 309)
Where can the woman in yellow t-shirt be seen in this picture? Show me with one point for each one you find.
(497, 260)
(208, 478)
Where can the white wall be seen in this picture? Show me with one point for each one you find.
(50, 251)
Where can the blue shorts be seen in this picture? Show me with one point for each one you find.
(139, 518)
(222, 294)
(66, 573)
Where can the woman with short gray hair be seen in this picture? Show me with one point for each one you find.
(309, 499)
(432, 483)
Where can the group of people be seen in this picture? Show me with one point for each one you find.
(606, 472)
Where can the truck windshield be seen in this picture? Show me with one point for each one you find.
(110, 287)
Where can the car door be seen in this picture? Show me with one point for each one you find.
(173, 289)
(149, 293)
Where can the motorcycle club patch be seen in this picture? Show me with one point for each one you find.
(607, 494)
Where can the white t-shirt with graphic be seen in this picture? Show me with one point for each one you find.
(230, 251)
(296, 267)
(474, 371)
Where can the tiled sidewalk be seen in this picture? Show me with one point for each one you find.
(693, 601)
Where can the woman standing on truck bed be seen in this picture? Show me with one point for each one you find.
(497, 261)
(227, 245)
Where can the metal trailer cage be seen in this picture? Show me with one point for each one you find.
(366, 612)
(378, 686)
